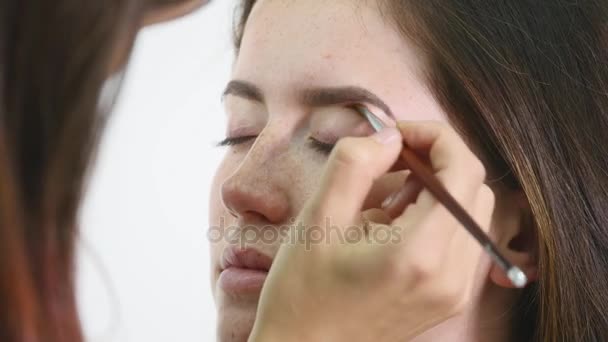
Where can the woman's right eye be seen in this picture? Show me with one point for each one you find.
(232, 141)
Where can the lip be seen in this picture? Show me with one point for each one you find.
(243, 270)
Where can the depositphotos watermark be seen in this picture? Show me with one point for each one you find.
(298, 233)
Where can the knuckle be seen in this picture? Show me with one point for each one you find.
(447, 133)
(487, 196)
(423, 270)
(445, 129)
(478, 170)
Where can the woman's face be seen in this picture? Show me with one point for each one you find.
(300, 64)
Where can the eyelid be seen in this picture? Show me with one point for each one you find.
(242, 130)
(377, 122)
(325, 136)
(330, 129)
(238, 132)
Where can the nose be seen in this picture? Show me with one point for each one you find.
(254, 198)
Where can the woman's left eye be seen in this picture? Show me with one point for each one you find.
(321, 147)
(233, 141)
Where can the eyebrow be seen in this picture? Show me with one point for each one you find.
(243, 89)
(314, 97)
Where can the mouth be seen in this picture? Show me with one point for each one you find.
(243, 270)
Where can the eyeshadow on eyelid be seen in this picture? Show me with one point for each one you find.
(328, 134)
(330, 124)
(325, 135)
(363, 129)
(239, 131)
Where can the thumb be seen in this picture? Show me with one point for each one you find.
(354, 165)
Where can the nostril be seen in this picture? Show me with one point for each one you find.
(252, 204)
(251, 199)
(233, 213)
(253, 216)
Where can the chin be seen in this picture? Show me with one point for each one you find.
(235, 318)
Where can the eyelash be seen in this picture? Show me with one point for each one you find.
(321, 147)
(316, 145)
(235, 141)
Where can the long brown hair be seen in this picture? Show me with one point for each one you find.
(527, 82)
(54, 59)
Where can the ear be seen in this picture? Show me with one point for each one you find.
(516, 237)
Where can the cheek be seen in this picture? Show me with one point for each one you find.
(306, 172)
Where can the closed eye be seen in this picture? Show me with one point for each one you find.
(232, 141)
(321, 147)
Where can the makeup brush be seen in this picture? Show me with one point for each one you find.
(431, 183)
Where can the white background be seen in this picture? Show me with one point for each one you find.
(143, 271)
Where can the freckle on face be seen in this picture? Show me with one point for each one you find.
(290, 45)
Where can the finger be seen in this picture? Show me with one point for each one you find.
(443, 147)
(354, 165)
(383, 188)
(454, 164)
(465, 251)
(463, 263)
(395, 204)
(399, 165)
(375, 215)
(456, 168)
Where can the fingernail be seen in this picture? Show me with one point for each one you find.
(404, 124)
(387, 135)
(389, 200)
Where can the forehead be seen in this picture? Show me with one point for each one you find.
(317, 39)
(289, 45)
(309, 18)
